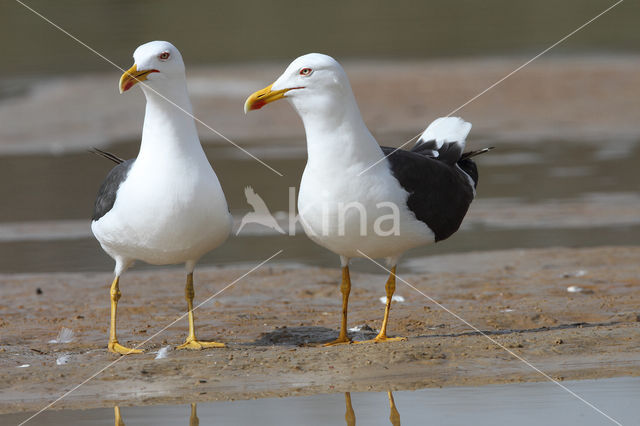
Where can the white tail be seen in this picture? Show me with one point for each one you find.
(446, 129)
(444, 139)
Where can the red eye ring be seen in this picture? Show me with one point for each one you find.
(306, 71)
(164, 56)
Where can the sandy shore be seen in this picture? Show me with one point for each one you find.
(594, 98)
(272, 318)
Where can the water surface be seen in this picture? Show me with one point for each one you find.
(523, 404)
(584, 195)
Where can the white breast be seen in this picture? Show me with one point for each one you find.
(349, 214)
(166, 212)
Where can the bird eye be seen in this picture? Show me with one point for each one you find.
(305, 71)
(164, 56)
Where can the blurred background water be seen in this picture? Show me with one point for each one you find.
(569, 205)
(231, 32)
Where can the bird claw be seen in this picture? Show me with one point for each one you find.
(339, 341)
(197, 345)
(382, 339)
(117, 348)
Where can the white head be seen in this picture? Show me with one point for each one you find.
(313, 83)
(158, 63)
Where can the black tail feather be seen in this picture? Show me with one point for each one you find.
(471, 154)
(107, 155)
(449, 152)
(469, 167)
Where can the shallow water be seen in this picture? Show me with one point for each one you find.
(553, 193)
(522, 403)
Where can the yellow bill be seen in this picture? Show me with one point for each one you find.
(263, 97)
(133, 76)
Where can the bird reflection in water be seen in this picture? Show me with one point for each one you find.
(193, 419)
(119, 421)
(350, 416)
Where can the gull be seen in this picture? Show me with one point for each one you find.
(350, 180)
(166, 206)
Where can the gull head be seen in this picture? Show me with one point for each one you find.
(156, 63)
(313, 83)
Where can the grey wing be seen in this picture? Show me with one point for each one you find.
(109, 188)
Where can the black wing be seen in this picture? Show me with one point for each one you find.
(109, 188)
(439, 193)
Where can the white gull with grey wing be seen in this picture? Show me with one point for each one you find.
(167, 205)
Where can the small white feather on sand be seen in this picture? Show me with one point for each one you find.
(63, 359)
(574, 289)
(575, 274)
(24, 366)
(163, 352)
(64, 336)
(395, 298)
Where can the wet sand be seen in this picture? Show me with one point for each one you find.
(272, 318)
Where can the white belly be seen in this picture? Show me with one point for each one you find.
(355, 216)
(165, 214)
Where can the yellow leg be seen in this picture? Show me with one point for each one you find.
(192, 342)
(349, 415)
(119, 421)
(194, 420)
(390, 288)
(394, 415)
(113, 345)
(345, 289)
